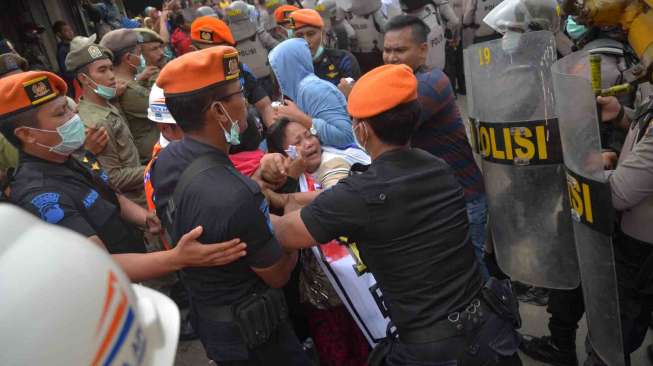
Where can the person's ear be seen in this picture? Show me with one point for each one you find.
(24, 135)
(217, 113)
(84, 80)
(424, 49)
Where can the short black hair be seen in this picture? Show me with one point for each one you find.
(82, 70)
(58, 26)
(22, 119)
(189, 109)
(397, 125)
(420, 30)
(275, 135)
(117, 55)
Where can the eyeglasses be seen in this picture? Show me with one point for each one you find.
(241, 91)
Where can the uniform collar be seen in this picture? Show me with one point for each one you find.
(101, 111)
(198, 149)
(24, 157)
(392, 155)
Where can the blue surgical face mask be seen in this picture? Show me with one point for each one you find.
(72, 134)
(105, 92)
(575, 30)
(233, 136)
(319, 53)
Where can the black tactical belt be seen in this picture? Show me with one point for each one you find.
(476, 313)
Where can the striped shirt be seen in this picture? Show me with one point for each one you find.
(442, 133)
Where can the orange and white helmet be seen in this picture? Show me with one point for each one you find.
(66, 302)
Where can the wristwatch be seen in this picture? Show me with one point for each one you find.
(313, 130)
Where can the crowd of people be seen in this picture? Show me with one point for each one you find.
(230, 154)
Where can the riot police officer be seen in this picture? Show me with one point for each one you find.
(253, 43)
(434, 13)
(367, 19)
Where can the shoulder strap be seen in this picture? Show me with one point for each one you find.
(198, 166)
(644, 119)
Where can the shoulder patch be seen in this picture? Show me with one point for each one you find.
(48, 206)
(90, 198)
(104, 176)
(265, 210)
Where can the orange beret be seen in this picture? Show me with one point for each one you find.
(382, 89)
(306, 17)
(211, 30)
(27, 90)
(199, 69)
(282, 13)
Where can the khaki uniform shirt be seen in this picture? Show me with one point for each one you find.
(8, 154)
(632, 182)
(120, 157)
(134, 102)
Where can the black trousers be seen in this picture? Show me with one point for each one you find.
(455, 69)
(493, 343)
(566, 308)
(283, 348)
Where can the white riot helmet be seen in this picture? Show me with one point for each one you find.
(327, 10)
(66, 302)
(157, 111)
(525, 16)
(512, 18)
(240, 20)
(206, 11)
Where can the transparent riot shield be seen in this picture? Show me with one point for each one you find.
(512, 104)
(591, 204)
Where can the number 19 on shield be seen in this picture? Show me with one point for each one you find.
(484, 56)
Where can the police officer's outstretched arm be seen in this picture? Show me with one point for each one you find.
(338, 211)
(189, 252)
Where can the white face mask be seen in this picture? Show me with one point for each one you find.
(361, 145)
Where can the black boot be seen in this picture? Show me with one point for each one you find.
(544, 350)
(559, 349)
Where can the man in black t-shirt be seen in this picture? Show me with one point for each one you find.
(237, 310)
(407, 215)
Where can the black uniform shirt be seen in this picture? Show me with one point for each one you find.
(253, 91)
(335, 64)
(228, 205)
(407, 214)
(75, 195)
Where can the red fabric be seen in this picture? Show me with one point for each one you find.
(181, 42)
(337, 338)
(247, 162)
(78, 91)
